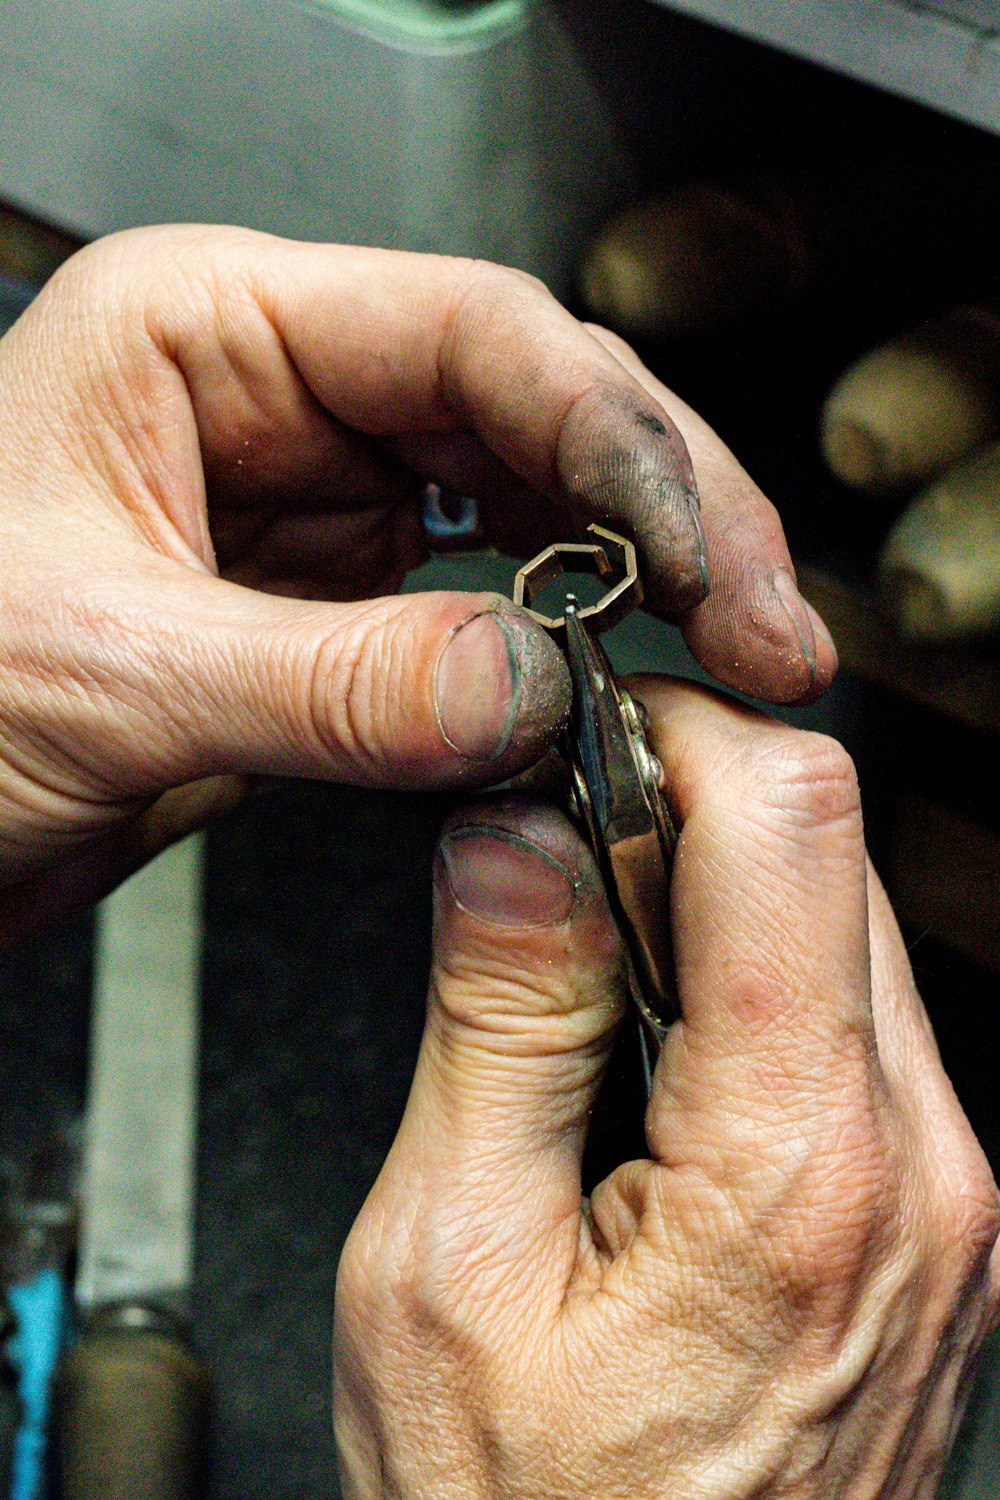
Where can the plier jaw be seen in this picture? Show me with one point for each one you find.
(615, 777)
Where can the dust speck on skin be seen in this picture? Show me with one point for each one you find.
(651, 423)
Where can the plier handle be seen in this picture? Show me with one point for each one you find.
(615, 777)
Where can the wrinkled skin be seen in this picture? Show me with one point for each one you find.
(787, 1298)
(212, 445)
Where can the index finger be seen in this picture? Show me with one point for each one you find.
(419, 343)
(393, 345)
(770, 916)
(741, 633)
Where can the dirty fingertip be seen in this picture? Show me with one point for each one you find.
(501, 688)
(757, 634)
(622, 462)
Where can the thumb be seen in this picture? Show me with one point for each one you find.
(423, 690)
(526, 987)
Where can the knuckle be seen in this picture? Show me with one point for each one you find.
(338, 694)
(425, 1283)
(355, 1271)
(482, 295)
(363, 697)
(611, 340)
(483, 290)
(491, 280)
(831, 1210)
(424, 1267)
(131, 263)
(96, 262)
(863, 1203)
(365, 1301)
(378, 1269)
(528, 1019)
(964, 1224)
(808, 777)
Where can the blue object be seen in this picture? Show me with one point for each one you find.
(450, 521)
(41, 1307)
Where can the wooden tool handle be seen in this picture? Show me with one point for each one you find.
(907, 409)
(939, 572)
(133, 1406)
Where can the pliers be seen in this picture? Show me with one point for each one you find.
(615, 778)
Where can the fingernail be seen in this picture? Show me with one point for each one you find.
(506, 879)
(694, 506)
(680, 530)
(797, 611)
(499, 673)
(821, 632)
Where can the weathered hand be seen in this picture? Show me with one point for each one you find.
(186, 403)
(786, 1299)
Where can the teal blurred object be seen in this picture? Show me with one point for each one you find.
(41, 1306)
(459, 24)
(10, 1405)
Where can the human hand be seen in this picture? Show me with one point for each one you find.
(186, 403)
(787, 1299)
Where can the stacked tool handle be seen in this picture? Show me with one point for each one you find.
(133, 1401)
(133, 1413)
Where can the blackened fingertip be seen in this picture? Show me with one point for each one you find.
(651, 422)
(546, 689)
(674, 563)
(622, 462)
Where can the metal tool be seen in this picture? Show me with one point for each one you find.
(133, 1399)
(615, 777)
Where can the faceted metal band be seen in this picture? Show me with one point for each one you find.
(608, 556)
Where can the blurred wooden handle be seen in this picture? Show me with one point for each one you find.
(132, 1411)
(939, 572)
(904, 411)
(698, 258)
